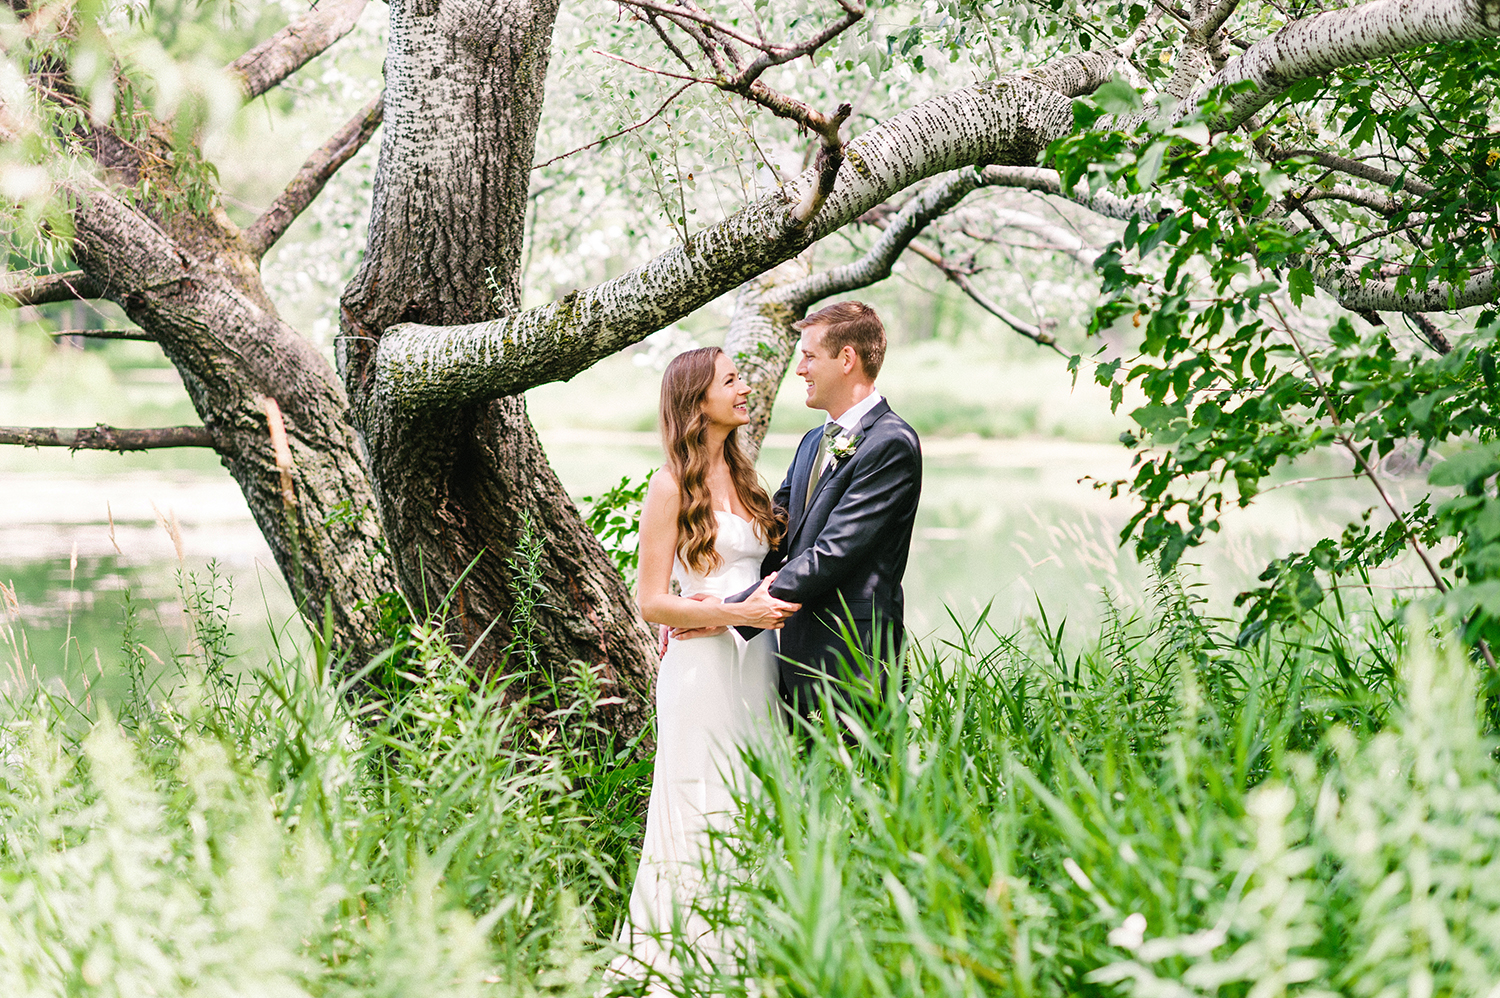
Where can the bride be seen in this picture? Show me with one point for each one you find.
(707, 524)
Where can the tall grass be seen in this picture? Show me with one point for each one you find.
(1147, 810)
(1158, 814)
(272, 833)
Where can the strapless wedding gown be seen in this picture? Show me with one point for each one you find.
(713, 695)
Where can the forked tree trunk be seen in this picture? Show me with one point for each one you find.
(459, 486)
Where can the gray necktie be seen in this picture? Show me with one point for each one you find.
(830, 430)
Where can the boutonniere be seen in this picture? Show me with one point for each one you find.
(843, 445)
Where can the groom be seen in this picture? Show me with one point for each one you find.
(850, 499)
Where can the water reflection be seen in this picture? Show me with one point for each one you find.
(1005, 523)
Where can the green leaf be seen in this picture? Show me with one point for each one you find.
(1256, 290)
(1466, 467)
(1304, 590)
(1487, 521)
(1117, 97)
(1149, 165)
(1300, 284)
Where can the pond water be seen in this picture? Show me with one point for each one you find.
(1001, 523)
(1008, 520)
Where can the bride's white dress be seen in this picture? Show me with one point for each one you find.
(713, 694)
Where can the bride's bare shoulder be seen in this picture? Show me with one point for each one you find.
(663, 489)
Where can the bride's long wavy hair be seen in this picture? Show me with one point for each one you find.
(684, 431)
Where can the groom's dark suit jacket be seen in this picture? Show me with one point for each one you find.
(844, 553)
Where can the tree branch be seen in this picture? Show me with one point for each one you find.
(1034, 333)
(743, 78)
(1076, 75)
(1045, 181)
(1377, 201)
(1431, 333)
(1008, 121)
(106, 334)
(1056, 238)
(309, 182)
(1359, 294)
(1352, 167)
(677, 12)
(44, 289)
(1214, 19)
(1319, 44)
(760, 335)
(103, 437)
(295, 45)
(898, 232)
(826, 167)
(624, 131)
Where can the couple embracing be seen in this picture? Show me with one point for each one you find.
(817, 566)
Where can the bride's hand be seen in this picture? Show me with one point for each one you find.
(765, 611)
(688, 633)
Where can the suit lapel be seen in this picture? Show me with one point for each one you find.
(863, 427)
(801, 472)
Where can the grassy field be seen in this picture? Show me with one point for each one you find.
(1145, 809)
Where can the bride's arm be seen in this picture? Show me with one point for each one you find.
(653, 592)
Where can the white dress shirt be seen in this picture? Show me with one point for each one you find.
(851, 417)
(848, 422)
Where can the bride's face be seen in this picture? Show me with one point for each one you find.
(726, 400)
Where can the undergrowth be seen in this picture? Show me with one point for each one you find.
(1159, 814)
(1150, 811)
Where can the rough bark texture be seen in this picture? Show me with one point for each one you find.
(421, 364)
(194, 289)
(1359, 294)
(459, 484)
(1324, 42)
(68, 286)
(101, 437)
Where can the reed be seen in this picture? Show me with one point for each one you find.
(1146, 810)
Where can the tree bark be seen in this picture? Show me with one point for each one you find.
(195, 289)
(287, 51)
(103, 437)
(460, 485)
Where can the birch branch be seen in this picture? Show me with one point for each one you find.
(1008, 122)
(1352, 167)
(1076, 75)
(1431, 333)
(295, 45)
(73, 285)
(1032, 332)
(898, 232)
(1320, 44)
(103, 437)
(1359, 294)
(1044, 181)
(309, 182)
(738, 76)
(1215, 17)
(1377, 201)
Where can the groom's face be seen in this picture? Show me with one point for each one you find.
(824, 374)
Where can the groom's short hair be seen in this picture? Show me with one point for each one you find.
(851, 324)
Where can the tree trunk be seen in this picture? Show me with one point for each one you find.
(194, 289)
(461, 485)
